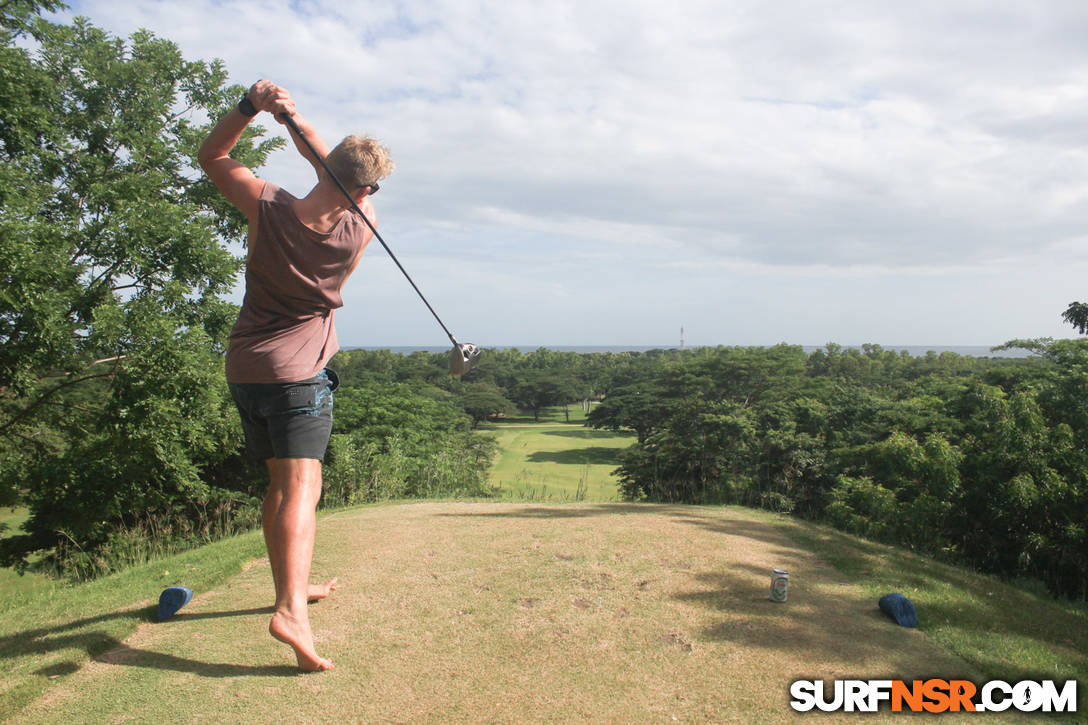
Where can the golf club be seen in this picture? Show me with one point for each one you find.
(462, 357)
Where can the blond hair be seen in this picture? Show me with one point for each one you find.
(359, 161)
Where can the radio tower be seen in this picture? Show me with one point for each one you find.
(681, 337)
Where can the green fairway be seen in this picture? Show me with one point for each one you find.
(557, 462)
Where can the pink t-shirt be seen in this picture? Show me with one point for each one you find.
(294, 274)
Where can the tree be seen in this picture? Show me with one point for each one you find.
(17, 15)
(980, 461)
(484, 401)
(377, 411)
(1077, 316)
(704, 456)
(397, 440)
(102, 204)
(112, 267)
(540, 388)
(642, 407)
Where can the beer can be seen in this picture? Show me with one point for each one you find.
(780, 581)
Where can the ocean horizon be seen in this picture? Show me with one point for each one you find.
(912, 350)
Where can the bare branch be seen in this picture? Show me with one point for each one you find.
(5, 427)
(96, 362)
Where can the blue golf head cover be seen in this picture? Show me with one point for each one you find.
(900, 609)
(172, 599)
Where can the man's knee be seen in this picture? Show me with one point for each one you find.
(291, 474)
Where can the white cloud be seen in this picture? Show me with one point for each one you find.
(770, 143)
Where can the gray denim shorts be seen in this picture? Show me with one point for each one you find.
(287, 420)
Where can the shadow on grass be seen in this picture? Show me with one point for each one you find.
(1036, 638)
(998, 602)
(127, 656)
(104, 647)
(546, 418)
(582, 433)
(733, 526)
(846, 633)
(579, 456)
(192, 616)
(561, 512)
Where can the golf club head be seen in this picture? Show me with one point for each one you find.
(462, 357)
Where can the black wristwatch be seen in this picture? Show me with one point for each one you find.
(246, 107)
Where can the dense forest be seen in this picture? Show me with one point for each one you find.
(117, 428)
(976, 461)
(979, 461)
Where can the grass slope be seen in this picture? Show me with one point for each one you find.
(49, 628)
(458, 612)
(1007, 632)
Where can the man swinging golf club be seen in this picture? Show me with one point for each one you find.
(301, 252)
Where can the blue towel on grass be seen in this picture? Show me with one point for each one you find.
(172, 599)
(900, 609)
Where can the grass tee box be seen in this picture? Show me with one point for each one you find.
(460, 612)
(509, 612)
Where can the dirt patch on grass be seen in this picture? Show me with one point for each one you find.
(516, 613)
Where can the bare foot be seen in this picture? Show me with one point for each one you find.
(298, 635)
(317, 592)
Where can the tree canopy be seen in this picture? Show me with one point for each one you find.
(977, 461)
(113, 261)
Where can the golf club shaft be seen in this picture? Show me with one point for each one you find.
(294, 127)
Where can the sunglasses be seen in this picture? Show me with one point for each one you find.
(374, 187)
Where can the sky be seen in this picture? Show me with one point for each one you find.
(604, 173)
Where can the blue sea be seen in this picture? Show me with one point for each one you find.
(914, 350)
